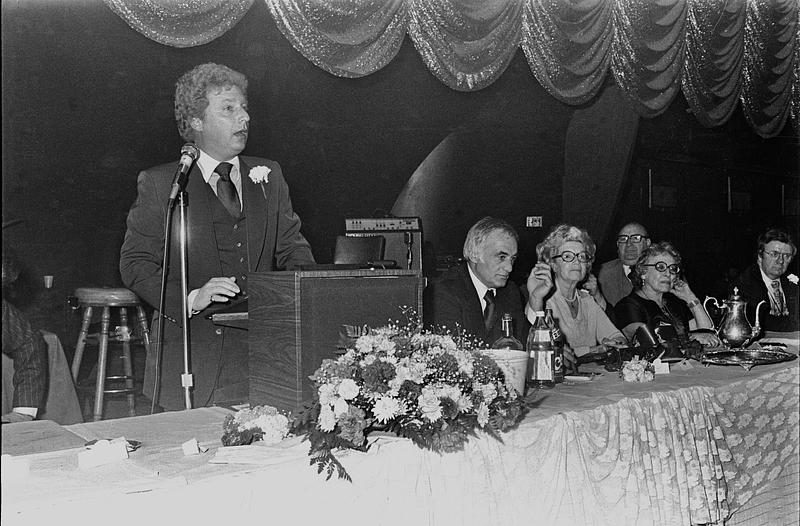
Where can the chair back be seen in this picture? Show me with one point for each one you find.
(357, 250)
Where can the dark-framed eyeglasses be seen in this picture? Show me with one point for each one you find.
(661, 267)
(633, 238)
(774, 254)
(568, 256)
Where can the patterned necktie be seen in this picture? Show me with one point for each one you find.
(226, 190)
(489, 309)
(780, 301)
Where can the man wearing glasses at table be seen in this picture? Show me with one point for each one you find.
(767, 280)
(615, 284)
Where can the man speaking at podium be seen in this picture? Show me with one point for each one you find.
(239, 220)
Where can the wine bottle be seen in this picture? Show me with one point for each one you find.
(507, 340)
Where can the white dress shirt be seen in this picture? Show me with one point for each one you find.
(207, 165)
(480, 288)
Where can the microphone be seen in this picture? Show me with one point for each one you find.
(189, 154)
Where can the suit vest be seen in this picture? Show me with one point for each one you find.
(231, 237)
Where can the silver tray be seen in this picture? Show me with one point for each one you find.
(747, 358)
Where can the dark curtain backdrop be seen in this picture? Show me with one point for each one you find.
(87, 104)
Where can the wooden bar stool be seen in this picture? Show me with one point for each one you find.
(107, 298)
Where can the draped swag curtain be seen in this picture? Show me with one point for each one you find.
(716, 51)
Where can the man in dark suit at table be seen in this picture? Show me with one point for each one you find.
(613, 277)
(473, 296)
(766, 280)
(240, 219)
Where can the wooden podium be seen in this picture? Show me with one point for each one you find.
(295, 320)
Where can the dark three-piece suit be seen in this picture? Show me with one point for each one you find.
(265, 237)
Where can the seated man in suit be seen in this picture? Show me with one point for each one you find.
(766, 280)
(615, 284)
(26, 347)
(473, 296)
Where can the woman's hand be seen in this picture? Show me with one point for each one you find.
(707, 339)
(617, 341)
(540, 281)
(590, 285)
(681, 289)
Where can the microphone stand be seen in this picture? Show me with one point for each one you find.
(187, 379)
(189, 154)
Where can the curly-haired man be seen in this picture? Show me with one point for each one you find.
(240, 219)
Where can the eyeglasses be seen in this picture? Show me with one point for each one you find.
(774, 254)
(661, 267)
(634, 238)
(569, 256)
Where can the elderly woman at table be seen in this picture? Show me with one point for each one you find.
(565, 257)
(661, 296)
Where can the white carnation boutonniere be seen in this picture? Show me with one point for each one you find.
(793, 278)
(260, 174)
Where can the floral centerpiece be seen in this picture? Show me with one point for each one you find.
(262, 423)
(637, 370)
(416, 384)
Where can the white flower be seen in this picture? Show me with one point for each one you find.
(260, 174)
(464, 403)
(637, 371)
(340, 407)
(430, 406)
(327, 420)
(793, 278)
(385, 408)
(327, 394)
(348, 389)
(489, 392)
(274, 427)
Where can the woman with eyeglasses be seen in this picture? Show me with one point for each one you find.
(662, 297)
(565, 257)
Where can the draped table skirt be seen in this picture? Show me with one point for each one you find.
(696, 446)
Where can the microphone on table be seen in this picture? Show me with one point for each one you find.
(189, 154)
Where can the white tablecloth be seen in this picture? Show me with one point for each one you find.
(704, 445)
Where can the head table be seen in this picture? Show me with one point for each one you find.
(700, 445)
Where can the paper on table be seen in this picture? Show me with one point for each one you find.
(260, 454)
(38, 436)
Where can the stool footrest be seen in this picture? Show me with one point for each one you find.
(119, 391)
(119, 377)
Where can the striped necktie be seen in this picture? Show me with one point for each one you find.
(779, 308)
